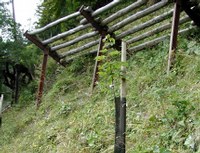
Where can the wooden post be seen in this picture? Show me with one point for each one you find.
(174, 34)
(42, 78)
(120, 142)
(96, 67)
(1, 105)
(117, 146)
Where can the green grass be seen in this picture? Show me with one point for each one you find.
(162, 110)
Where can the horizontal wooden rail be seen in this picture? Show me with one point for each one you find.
(123, 11)
(65, 34)
(54, 23)
(78, 39)
(77, 50)
(156, 30)
(138, 15)
(154, 42)
(147, 24)
(102, 9)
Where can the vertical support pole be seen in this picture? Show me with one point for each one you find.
(42, 77)
(117, 146)
(120, 142)
(1, 105)
(174, 35)
(96, 67)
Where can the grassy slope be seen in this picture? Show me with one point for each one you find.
(71, 120)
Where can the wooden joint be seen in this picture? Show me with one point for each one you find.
(87, 13)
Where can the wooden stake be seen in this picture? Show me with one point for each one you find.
(42, 78)
(120, 133)
(174, 35)
(1, 105)
(123, 69)
(96, 67)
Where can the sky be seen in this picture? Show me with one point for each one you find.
(25, 12)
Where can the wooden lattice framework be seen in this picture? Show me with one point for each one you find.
(122, 24)
(110, 19)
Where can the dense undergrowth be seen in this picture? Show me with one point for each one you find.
(163, 111)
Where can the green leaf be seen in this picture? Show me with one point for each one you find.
(104, 51)
(100, 58)
(114, 53)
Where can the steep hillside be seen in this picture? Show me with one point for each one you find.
(162, 110)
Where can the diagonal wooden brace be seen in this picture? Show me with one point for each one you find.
(174, 35)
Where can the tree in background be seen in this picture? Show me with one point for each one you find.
(16, 59)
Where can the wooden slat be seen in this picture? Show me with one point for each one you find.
(154, 41)
(155, 31)
(65, 34)
(77, 50)
(138, 15)
(123, 11)
(102, 9)
(147, 24)
(76, 40)
(54, 23)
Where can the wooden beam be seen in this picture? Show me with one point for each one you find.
(174, 35)
(123, 11)
(102, 9)
(146, 24)
(96, 24)
(97, 63)
(76, 40)
(42, 78)
(153, 42)
(155, 31)
(65, 34)
(77, 50)
(43, 47)
(54, 23)
(138, 15)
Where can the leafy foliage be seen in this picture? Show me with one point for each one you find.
(109, 68)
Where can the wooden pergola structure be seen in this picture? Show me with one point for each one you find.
(138, 24)
(94, 25)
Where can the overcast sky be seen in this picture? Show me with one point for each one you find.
(25, 12)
